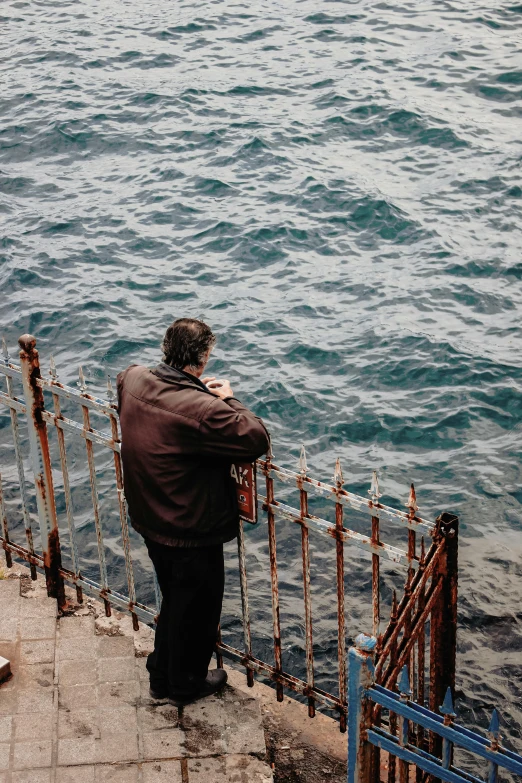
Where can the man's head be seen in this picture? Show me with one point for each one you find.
(187, 345)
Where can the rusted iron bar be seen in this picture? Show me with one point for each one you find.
(408, 612)
(35, 560)
(295, 684)
(89, 400)
(122, 508)
(244, 600)
(67, 491)
(443, 627)
(435, 551)
(273, 577)
(421, 659)
(90, 587)
(392, 760)
(406, 643)
(392, 553)
(411, 545)
(116, 598)
(412, 509)
(12, 403)
(305, 550)
(350, 499)
(96, 510)
(11, 370)
(41, 460)
(23, 488)
(19, 464)
(407, 634)
(376, 592)
(341, 623)
(5, 529)
(418, 582)
(94, 436)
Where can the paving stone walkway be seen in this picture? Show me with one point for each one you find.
(77, 709)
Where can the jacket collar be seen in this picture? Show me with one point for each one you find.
(172, 375)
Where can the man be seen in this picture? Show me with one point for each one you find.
(180, 434)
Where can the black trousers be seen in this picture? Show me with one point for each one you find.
(192, 581)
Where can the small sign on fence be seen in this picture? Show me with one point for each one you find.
(244, 474)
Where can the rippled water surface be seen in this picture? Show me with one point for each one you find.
(336, 188)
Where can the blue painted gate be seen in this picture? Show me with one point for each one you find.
(368, 707)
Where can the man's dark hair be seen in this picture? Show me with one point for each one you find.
(187, 342)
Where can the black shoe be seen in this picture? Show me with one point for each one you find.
(159, 696)
(215, 680)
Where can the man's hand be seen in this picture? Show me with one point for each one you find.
(221, 388)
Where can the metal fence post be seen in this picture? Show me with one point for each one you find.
(41, 463)
(443, 627)
(360, 710)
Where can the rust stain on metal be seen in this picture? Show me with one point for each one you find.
(341, 623)
(53, 566)
(23, 554)
(123, 523)
(376, 592)
(419, 580)
(305, 553)
(44, 479)
(96, 512)
(392, 760)
(407, 643)
(421, 654)
(67, 491)
(443, 634)
(243, 581)
(274, 582)
(407, 621)
(283, 678)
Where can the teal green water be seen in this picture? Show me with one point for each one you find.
(336, 189)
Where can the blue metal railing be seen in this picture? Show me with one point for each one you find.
(365, 735)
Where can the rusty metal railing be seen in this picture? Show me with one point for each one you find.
(429, 600)
(430, 578)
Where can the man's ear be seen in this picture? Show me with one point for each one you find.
(201, 369)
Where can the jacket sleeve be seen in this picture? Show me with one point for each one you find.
(228, 429)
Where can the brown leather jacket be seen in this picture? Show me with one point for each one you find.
(178, 442)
